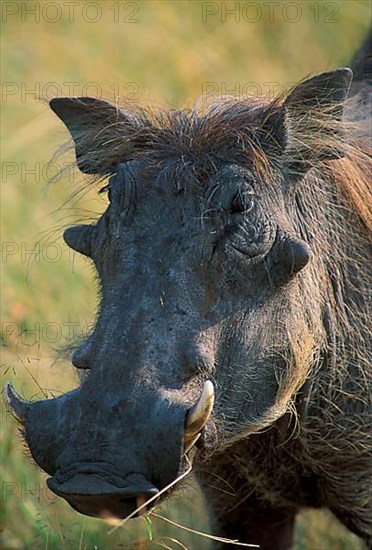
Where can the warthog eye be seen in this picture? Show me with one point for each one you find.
(105, 189)
(243, 201)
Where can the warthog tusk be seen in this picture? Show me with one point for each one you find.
(198, 415)
(17, 406)
(190, 442)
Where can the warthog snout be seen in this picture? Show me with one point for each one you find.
(104, 475)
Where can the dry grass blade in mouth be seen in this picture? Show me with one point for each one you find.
(141, 510)
(205, 535)
(164, 545)
(143, 506)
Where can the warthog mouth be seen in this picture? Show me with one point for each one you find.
(93, 490)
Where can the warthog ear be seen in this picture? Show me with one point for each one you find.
(103, 134)
(314, 121)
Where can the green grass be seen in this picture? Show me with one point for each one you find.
(167, 57)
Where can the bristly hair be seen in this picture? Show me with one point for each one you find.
(234, 131)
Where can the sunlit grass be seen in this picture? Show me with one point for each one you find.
(168, 57)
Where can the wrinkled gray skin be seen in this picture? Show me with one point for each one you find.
(202, 277)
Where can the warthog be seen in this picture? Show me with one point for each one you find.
(232, 328)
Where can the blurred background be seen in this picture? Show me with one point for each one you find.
(162, 53)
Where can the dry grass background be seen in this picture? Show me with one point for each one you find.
(165, 58)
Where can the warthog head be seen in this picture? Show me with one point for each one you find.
(205, 270)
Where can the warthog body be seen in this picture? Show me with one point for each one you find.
(234, 249)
